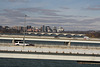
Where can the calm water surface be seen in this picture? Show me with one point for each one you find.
(9, 62)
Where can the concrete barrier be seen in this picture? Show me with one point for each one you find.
(50, 57)
(50, 50)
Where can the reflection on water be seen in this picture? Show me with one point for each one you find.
(8, 62)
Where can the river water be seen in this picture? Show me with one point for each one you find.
(9, 62)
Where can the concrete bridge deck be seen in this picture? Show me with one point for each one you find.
(51, 50)
(50, 39)
(47, 37)
(81, 54)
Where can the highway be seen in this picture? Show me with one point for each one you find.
(46, 39)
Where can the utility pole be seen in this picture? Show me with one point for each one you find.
(24, 30)
(69, 44)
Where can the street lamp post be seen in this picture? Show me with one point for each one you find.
(24, 30)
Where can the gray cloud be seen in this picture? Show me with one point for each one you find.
(74, 16)
(64, 8)
(35, 10)
(18, 0)
(91, 8)
(97, 7)
(12, 13)
(90, 21)
(41, 11)
(23, 1)
(47, 12)
(63, 21)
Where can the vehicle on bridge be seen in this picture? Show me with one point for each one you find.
(22, 43)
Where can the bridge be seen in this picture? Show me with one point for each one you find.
(68, 35)
(52, 53)
(56, 34)
(75, 54)
(50, 39)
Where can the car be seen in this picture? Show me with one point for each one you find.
(21, 43)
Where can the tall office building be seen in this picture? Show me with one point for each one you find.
(29, 27)
(43, 28)
(48, 29)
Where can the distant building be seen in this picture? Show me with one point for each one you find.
(29, 30)
(43, 28)
(1, 27)
(20, 28)
(36, 29)
(6, 27)
(17, 28)
(33, 29)
(29, 27)
(61, 29)
(48, 29)
(54, 30)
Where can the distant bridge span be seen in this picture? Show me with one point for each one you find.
(43, 39)
(54, 33)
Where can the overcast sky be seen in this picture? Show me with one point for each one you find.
(70, 14)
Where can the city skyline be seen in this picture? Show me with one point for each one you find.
(30, 28)
(69, 14)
